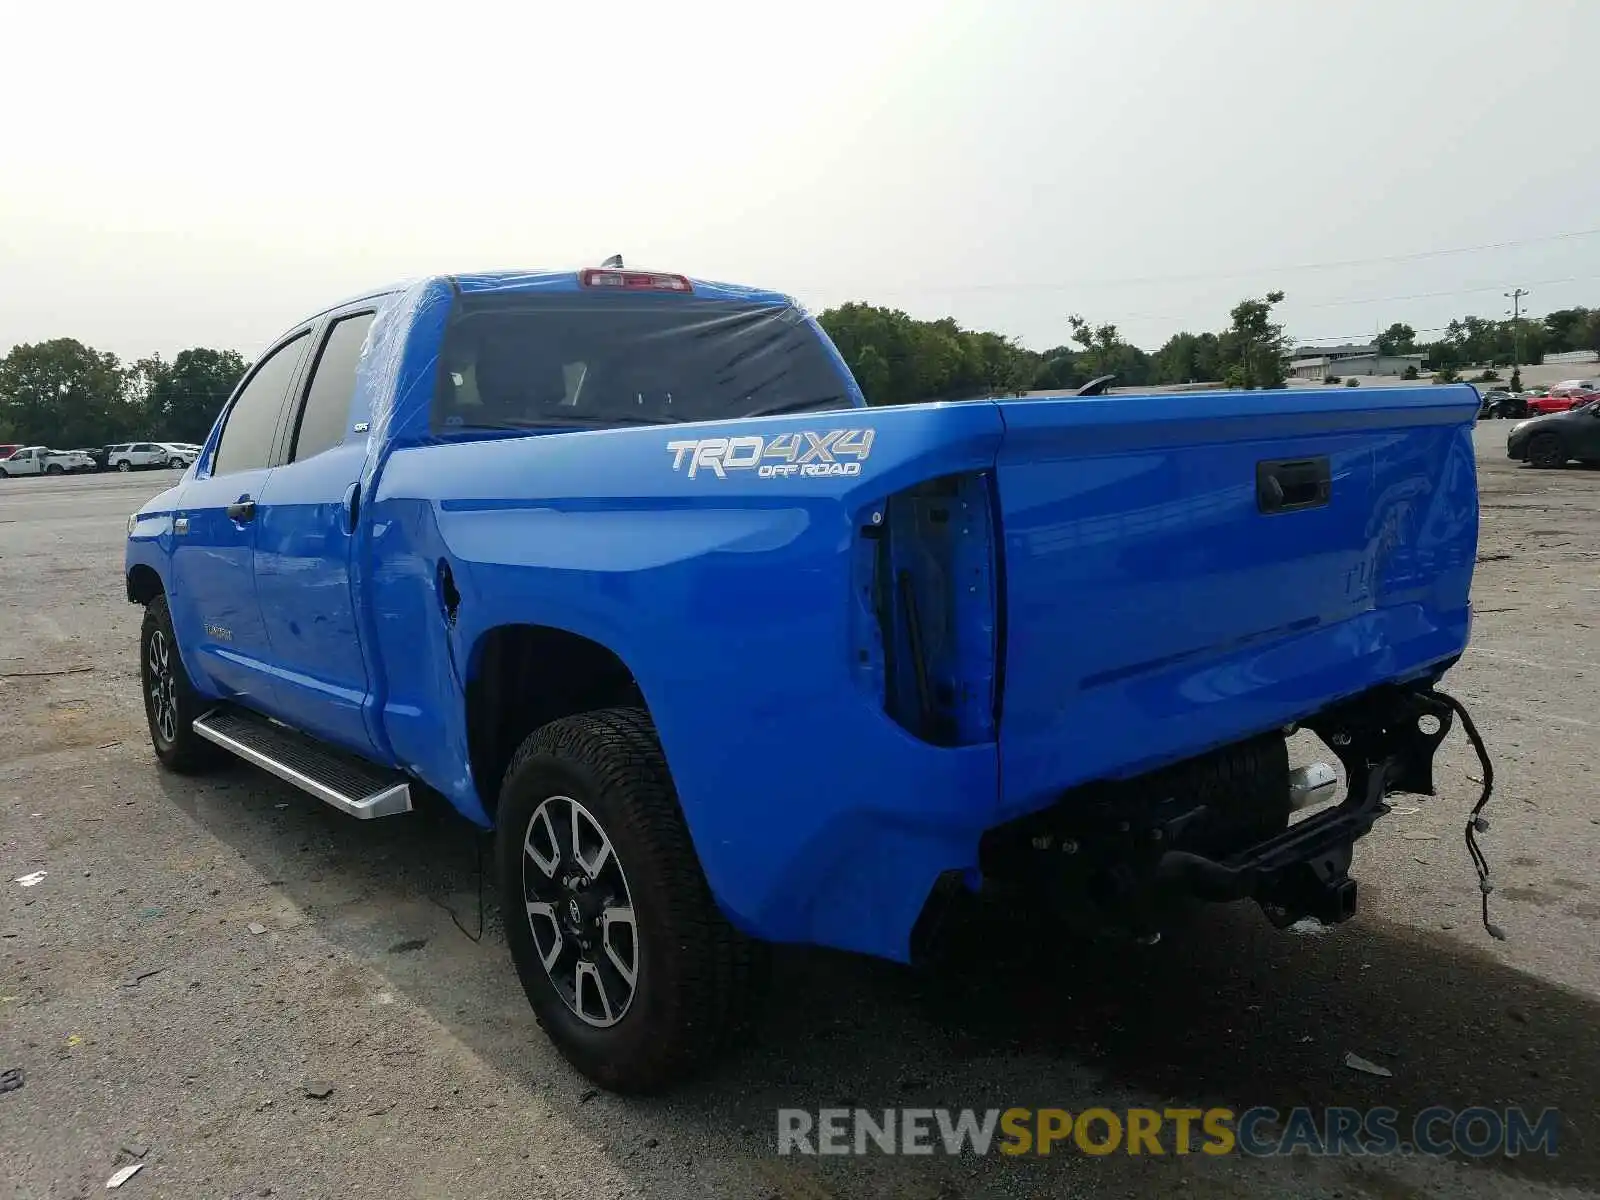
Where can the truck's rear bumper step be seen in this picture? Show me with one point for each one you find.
(348, 783)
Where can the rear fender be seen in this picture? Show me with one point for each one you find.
(728, 594)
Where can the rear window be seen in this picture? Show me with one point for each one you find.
(520, 361)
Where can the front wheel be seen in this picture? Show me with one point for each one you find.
(630, 967)
(170, 702)
(1546, 451)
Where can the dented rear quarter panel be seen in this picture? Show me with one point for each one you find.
(730, 600)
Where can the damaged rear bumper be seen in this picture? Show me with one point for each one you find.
(1218, 828)
(1386, 742)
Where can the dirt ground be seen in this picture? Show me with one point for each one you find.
(151, 1025)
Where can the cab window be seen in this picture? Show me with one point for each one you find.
(247, 437)
(326, 415)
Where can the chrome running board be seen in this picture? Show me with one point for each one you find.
(350, 784)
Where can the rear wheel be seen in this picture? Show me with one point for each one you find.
(170, 702)
(1546, 451)
(630, 967)
(124, 465)
(55, 469)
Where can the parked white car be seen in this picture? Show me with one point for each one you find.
(134, 455)
(41, 460)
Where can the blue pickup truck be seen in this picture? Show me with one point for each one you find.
(620, 565)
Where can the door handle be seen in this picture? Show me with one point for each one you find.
(1287, 485)
(241, 510)
(352, 506)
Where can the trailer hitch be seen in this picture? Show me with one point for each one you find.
(1303, 871)
(1386, 741)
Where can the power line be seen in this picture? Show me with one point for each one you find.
(1124, 318)
(1306, 343)
(1472, 291)
(1135, 281)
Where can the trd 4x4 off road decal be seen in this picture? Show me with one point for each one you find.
(788, 454)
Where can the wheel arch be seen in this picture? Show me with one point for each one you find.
(521, 677)
(144, 584)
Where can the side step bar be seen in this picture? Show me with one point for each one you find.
(348, 783)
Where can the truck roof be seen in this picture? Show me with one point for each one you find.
(558, 281)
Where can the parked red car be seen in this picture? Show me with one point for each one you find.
(1561, 399)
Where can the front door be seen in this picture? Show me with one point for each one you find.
(25, 462)
(1586, 437)
(304, 534)
(213, 598)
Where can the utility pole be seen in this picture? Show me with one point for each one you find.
(1516, 333)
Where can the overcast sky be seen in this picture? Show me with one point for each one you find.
(176, 175)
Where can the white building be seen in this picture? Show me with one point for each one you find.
(1319, 362)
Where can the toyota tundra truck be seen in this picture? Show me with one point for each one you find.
(620, 565)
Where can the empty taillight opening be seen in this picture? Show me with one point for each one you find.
(927, 635)
(637, 281)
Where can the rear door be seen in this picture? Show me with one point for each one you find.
(214, 600)
(304, 526)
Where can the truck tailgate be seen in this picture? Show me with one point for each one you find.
(1182, 571)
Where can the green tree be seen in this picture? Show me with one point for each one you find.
(1130, 365)
(1097, 345)
(897, 359)
(1058, 371)
(182, 399)
(1253, 348)
(1102, 351)
(871, 370)
(64, 394)
(1397, 339)
(1442, 354)
(1187, 358)
(1567, 329)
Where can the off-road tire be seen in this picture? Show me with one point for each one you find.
(1546, 451)
(697, 977)
(185, 752)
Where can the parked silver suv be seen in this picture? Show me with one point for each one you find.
(131, 455)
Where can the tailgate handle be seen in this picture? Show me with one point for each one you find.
(1288, 484)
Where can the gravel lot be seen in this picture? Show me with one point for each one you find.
(149, 1021)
